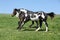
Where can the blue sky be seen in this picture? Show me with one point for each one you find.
(7, 6)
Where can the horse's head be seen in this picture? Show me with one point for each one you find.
(15, 11)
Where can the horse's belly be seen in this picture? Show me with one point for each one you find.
(35, 18)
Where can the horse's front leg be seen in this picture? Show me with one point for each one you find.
(20, 25)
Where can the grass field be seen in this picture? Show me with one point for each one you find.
(9, 24)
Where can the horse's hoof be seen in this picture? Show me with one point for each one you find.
(36, 30)
(46, 31)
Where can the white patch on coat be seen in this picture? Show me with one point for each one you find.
(25, 11)
(38, 28)
(17, 15)
(35, 18)
(43, 15)
(25, 19)
(25, 14)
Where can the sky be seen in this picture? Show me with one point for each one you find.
(7, 6)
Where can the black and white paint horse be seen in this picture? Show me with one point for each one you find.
(26, 15)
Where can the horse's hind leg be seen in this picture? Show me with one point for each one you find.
(46, 25)
(31, 24)
(40, 22)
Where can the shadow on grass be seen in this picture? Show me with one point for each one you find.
(31, 29)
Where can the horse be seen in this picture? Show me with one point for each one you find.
(25, 15)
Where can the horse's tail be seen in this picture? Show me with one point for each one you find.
(51, 14)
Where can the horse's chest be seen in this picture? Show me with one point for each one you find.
(17, 15)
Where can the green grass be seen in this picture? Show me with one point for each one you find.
(9, 24)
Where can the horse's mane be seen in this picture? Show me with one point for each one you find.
(26, 9)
